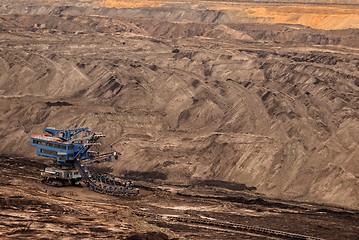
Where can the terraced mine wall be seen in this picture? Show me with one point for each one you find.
(270, 106)
(319, 16)
(320, 2)
(183, 15)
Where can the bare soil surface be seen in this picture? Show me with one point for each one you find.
(190, 100)
(30, 209)
(33, 210)
(275, 107)
(318, 14)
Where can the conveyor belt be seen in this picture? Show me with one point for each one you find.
(103, 188)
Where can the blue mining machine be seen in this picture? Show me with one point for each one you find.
(70, 149)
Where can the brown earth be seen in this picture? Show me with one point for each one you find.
(31, 210)
(318, 14)
(319, 17)
(270, 106)
(36, 211)
(337, 14)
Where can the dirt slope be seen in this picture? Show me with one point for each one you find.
(275, 107)
(318, 14)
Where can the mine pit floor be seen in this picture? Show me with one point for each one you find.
(30, 209)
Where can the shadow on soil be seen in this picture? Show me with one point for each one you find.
(148, 236)
(149, 176)
(223, 184)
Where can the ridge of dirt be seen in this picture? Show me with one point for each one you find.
(313, 14)
(269, 106)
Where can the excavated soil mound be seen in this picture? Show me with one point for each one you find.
(272, 107)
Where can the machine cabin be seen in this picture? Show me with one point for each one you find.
(62, 151)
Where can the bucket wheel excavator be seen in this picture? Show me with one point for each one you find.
(70, 150)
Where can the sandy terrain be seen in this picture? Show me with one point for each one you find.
(337, 14)
(186, 95)
(272, 107)
(318, 14)
(36, 211)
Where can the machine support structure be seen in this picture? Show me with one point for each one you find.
(70, 149)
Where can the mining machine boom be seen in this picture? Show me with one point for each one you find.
(70, 149)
